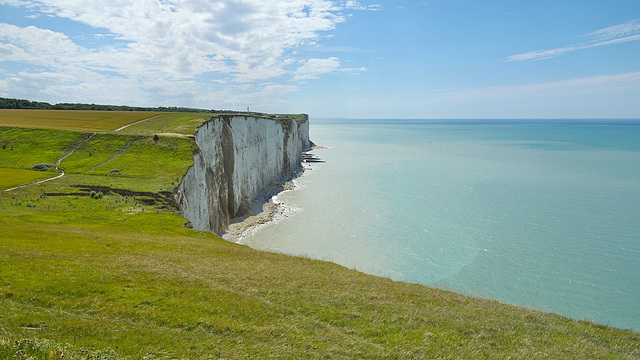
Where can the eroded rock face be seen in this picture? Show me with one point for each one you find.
(238, 158)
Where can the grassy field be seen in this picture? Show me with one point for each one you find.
(14, 177)
(74, 120)
(118, 276)
(180, 123)
(23, 148)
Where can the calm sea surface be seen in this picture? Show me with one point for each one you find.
(538, 213)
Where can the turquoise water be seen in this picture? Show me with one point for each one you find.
(543, 213)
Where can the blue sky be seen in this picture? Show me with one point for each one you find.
(358, 59)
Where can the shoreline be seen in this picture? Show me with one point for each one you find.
(262, 211)
(267, 208)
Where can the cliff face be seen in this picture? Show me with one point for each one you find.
(238, 158)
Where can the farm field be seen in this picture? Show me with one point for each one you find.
(74, 120)
(99, 264)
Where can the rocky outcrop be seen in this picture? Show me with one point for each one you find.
(238, 158)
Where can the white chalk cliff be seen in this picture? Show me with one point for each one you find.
(238, 159)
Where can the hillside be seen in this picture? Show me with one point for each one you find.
(99, 259)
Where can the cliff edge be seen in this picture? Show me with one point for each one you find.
(238, 158)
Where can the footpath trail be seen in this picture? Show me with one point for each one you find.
(61, 173)
(135, 123)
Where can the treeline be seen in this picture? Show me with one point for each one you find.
(7, 103)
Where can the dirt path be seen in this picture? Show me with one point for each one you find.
(135, 123)
(61, 173)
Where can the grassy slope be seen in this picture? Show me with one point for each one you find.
(115, 273)
(23, 148)
(142, 163)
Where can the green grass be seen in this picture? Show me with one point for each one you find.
(23, 148)
(297, 117)
(179, 123)
(125, 278)
(149, 165)
(35, 349)
(99, 150)
(14, 177)
(145, 286)
(141, 163)
(74, 120)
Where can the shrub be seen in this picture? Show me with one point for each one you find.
(96, 195)
(42, 167)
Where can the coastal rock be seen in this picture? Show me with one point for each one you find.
(238, 159)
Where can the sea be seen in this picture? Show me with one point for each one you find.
(543, 214)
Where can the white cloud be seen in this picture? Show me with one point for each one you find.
(155, 47)
(356, 5)
(315, 67)
(35, 46)
(360, 69)
(616, 41)
(608, 36)
(616, 31)
(187, 38)
(540, 54)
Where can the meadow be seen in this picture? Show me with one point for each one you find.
(99, 265)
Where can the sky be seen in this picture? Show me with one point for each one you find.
(330, 58)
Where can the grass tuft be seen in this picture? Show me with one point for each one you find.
(36, 349)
